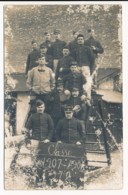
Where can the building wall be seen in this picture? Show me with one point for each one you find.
(21, 111)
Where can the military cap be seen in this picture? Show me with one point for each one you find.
(43, 46)
(80, 35)
(39, 103)
(75, 89)
(46, 33)
(68, 108)
(73, 63)
(66, 47)
(56, 31)
(33, 41)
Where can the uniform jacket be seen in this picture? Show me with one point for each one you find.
(57, 48)
(41, 81)
(41, 125)
(84, 56)
(69, 131)
(93, 42)
(74, 80)
(64, 63)
(31, 60)
(72, 46)
(48, 44)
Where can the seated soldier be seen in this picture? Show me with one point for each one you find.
(63, 67)
(40, 124)
(78, 103)
(73, 79)
(69, 129)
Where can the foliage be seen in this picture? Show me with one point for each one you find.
(27, 22)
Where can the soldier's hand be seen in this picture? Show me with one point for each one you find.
(59, 142)
(46, 141)
(83, 97)
(78, 143)
(61, 69)
(93, 47)
(67, 92)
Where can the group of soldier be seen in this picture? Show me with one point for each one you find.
(60, 82)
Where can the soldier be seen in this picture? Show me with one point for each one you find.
(43, 52)
(85, 59)
(63, 67)
(32, 57)
(40, 125)
(57, 48)
(73, 79)
(47, 43)
(69, 129)
(73, 44)
(96, 47)
(41, 81)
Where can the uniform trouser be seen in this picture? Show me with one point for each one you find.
(55, 64)
(85, 70)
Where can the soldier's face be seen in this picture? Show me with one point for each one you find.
(68, 114)
(75, 35)
(73, 69)
(92, 33)
(80, 40)
(65, 52)
(34, 45)
(75, 93)
(43, 50)
(57, 36)
(48, 37)
(42, 61)
(40, 109)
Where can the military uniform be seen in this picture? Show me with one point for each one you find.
(41, 125)
(32, 60)
(48, 44)
(69, 130)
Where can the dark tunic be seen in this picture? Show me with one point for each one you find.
(93, 42)
(84, 56)
(57, 48)
(41, 125)
(64, 63)
(72, 46)
(48, 44)
(69, 131)
(72, 80)
(31, 60)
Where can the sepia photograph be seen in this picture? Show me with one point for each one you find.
(63, 88)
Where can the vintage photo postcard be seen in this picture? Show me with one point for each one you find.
(63, 121)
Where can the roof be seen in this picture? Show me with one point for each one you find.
(106, 73)
(20, 78)
(110, 96)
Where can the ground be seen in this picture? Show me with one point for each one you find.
(111, 178)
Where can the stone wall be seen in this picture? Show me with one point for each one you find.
(24, 23)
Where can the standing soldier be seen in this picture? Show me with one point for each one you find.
(72, 45)
(57, 48)
(47, 43)
(96, 47)
(40, 124)
(64, 64)
(32, 57)
(85, 59)
(43, 52)
(41, 81)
